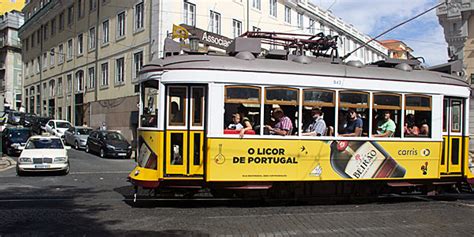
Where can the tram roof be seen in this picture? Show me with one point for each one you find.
(318, 67)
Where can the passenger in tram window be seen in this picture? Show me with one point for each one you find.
(283, 127)
(354, 125)
(318, 126)
(424, 128)
(235, 124)
(386, 126)
(411, 130)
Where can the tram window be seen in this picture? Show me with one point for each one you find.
(417, 116)
(149, 101)
(177, 106)
(318, 105)
(445, 115)
(455, 116)
(242, 110)
(353, 114)
(281, 111)
(197, 105)
(386, 115)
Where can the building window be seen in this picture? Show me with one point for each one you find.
(300, 20)
(273, 8)
(105, 74)
(69, 83)
(52, 89)
(38, 36)
(70, 49)
(215, 22)
(92, 5)
(61, 21)
(80, 11)
(92, 38)
(105, 32)
(60, 54)
(45, 31)
(38, 68)
(138, 63)
(60, 86)
(80, 81)
(121, 24)
(189, 14)
(287, 14)
(237, 28)
(139, 18)
(53, 26)
(51, 57)
(80, 44)
(45, 60)
(120, 71)
(312, 28)
(257, 4)
(26, 43)
(70, 15)
(33, 40)
(91, 74)
(472, 79)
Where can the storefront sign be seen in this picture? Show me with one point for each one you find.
(209, 38)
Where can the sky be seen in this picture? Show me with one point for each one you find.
(424, 34)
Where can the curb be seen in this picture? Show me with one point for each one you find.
(6, 163)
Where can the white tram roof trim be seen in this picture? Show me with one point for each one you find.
(213, 62)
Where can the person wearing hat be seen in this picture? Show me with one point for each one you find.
(283, 127)
(318, 126)
(354, 125)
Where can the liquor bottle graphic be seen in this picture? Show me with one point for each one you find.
(219, 159)
(146, 157)
(363, 160)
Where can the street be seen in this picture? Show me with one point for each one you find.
(91, 200)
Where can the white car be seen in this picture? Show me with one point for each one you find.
(57, 127)
(43, 153)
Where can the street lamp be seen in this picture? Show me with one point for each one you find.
(193, 43)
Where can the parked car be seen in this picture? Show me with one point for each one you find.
(108, 144)
(77, 136)
(43, 153)
(39, 124)
(13, 138)
(57, 127)
(14, 117)
(27, 120)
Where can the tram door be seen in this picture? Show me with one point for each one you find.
(452, 156)
(184, 130)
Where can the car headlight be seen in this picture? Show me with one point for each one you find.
(129, 147)
(60, 159)
(110, 147)
(15, 145)
(25, 160)
(83, 140)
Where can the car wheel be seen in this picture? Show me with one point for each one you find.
(102, 153)
(19, 172)
(66, 171)
(76, 145)
(9, 151)
(87, 148)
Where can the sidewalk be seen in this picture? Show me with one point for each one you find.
(6, 162)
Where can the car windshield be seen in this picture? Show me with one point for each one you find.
(44, 143)
(17, 114)
(63, 125)
(20, 135)
(83, 131)
(114, 136)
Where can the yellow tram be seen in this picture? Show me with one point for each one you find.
(188, 137)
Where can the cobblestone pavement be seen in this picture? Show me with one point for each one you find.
(91, 201)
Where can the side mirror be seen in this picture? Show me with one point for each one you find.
(67, 147)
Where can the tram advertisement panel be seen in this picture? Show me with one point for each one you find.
(292, 160)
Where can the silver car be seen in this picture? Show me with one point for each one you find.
(77, 136)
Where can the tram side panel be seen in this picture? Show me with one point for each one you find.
(317, 160)
(149, 169)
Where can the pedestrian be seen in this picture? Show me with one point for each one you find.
(103, 127)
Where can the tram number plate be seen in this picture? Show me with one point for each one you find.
(41, 166)
(337, 82)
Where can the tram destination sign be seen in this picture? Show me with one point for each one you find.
(209, 38)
